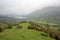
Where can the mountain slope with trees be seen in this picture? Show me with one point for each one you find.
(49, 13)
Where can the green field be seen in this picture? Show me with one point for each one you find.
(22, 34)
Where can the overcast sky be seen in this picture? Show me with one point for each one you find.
(21, 7)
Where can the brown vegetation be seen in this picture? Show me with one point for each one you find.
(1, 28)
(52, 32)
(18, 26)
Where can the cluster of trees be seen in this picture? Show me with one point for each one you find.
(51, 32)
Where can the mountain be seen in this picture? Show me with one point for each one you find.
(51, 14)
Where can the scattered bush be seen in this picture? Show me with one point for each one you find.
(52, 32)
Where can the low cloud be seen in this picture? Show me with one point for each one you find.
(22, 7)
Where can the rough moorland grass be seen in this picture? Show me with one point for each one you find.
(22, 34)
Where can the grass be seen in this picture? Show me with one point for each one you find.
(22, 34)
(51, 24)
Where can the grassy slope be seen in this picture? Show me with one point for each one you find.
(51, 24)
(22, 34)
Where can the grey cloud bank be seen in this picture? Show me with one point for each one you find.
(23, 7)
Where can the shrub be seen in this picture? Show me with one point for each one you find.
(1, 29)
(19, 26)
(44, 34)
(51, 35)
(9, 26)
(31, 27)
(56, 37)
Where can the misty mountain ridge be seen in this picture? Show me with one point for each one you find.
(49, 13)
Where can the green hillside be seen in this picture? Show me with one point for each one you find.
(22, 34)
(43, 22)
